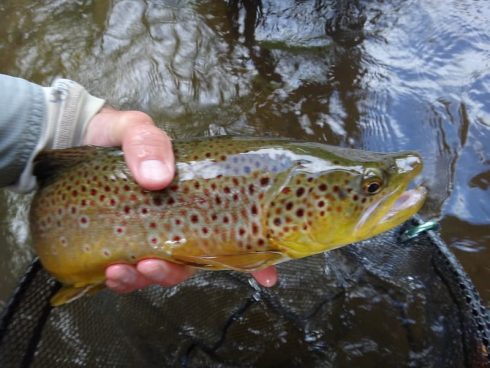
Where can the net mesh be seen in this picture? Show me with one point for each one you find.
(376, 303)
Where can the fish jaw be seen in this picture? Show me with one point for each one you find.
(406, 205)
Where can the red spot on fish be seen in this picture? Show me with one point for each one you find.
(112, 202)
(127, 188)
(176, 238)
(286, 190)
(321, 203)
(194, 219)
(177, 222)
(226, 219)
(205, 230)
(214, 217)
(235, 197)
(83, 188)
(241, 231)
(174, 187)
(277, 221)
(300, 191)
(363, 200)
(251, 189)
(127, 209)
(336, 188)
(255, 229)
(260, 242)
(170, 201)
(323, 187)
(144, 210)
(235, 181)
(355, 197)
(254, 210)
(264, 181)
(197, 185)
(157, 201)
(310, 179)
(213, 186)
(300, 212)
(217, 200)
(93, 191)
(83, 202)
(289, 206)
(339, 208)
(74, 193)
(227, 190)
(153, 225)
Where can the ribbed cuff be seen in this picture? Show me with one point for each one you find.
(69, 108)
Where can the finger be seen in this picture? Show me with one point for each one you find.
(124, 278)
(266, 277)
(148, 150)
(148, 153)
(162, 272)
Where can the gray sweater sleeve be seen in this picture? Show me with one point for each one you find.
(33, 118)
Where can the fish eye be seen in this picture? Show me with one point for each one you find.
(372, 182)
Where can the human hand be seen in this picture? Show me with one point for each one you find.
(149, 156)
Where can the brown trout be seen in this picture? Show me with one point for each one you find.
(235, 203)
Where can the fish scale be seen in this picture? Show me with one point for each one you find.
(239, 204)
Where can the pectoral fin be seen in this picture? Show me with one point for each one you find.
(70, 293)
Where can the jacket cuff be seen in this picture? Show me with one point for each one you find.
(69, 108)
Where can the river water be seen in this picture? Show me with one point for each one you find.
(383, 76)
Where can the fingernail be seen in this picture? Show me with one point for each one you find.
(157, 272)
(154, 170)
(128, 278)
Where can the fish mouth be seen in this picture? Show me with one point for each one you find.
(406, 205)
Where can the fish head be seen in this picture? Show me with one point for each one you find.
(345, 197)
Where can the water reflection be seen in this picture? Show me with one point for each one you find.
(403, 75)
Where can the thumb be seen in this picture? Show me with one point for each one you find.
(149, 156)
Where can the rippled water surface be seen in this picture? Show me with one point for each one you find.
(383, 76)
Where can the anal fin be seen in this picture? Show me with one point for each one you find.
(247, 262)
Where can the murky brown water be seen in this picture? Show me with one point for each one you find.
(404, 75)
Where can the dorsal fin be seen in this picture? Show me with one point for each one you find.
(47, 163)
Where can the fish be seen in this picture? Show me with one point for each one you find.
(235, 204)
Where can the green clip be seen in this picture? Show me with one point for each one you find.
(417, 230)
